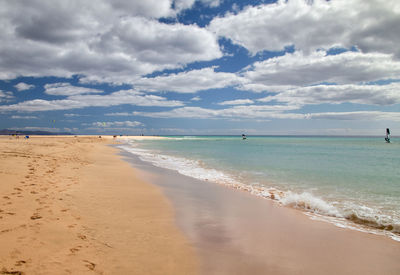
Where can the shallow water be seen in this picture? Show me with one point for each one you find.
(343, 178)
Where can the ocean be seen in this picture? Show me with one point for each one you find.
(353, 182)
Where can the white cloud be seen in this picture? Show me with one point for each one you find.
(237, 102)
(74, 115)
(5, 96)
(117, 124)
(335, 94)
(243, 111)
(196, 98)
(35, 128)
(259, 87)
(270, 112)
(372, 25)
(66, 89)
(130, 97)
(188, 82)
(24, 117)
(358, 115)
(23, 86)
(111, 41)
(187, 4)
(119, 114)
(142, 8)
(298, 69)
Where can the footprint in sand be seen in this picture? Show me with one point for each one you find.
(35, 216)
(90, 265)
(75, 249)
(6, 271)
(82, 237)
(20, 262)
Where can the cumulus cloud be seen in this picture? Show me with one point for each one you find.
(36, 128)
(6, 96)
(130, 97)
(358, 115)
(237, 102)
(298, 69)
(196, 98)
(188, 82)
(117, 124)
(66, 89)
(111, 41)
(24, 117)
(371, 26)
(251, 111)
(269, 112)
(74, 115)
(187, 4)
(23, 86)
(119, 114)
(336, 94)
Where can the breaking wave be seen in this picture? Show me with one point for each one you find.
(348, 215)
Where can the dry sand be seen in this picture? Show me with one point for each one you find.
(70, 205)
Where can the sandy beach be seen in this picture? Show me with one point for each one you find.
(70, 205)
(76, 205)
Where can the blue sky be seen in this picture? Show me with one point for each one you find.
(182, 67)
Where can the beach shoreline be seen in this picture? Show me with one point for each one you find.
(235, 232)
(344, 200)
(77, 205)
(70, 205)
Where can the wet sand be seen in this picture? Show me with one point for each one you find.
(237, 233)
(72, 206)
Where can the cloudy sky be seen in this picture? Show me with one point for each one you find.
(181, 67)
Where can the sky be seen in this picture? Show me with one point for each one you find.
(200, 67)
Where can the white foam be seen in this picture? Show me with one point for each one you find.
(309, 202)
(316, 207)
(184, 166)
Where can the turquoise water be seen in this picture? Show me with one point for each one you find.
(357, 179)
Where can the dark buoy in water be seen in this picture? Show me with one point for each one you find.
(387, 138)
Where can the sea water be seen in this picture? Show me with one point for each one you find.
(351, 181)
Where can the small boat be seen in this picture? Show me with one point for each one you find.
(244, 136)
(387, 138)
